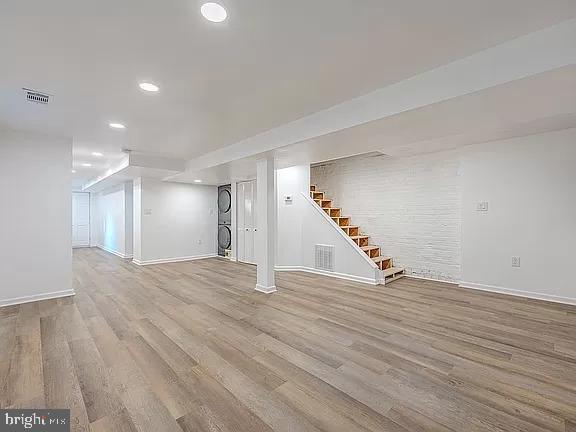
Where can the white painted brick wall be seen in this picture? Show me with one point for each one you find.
(410, 207)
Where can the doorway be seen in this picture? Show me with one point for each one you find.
(80, 219)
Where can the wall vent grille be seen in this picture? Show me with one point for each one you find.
(324, 257)
(36, 96)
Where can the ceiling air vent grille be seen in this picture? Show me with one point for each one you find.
(324, 257)
(36, 96)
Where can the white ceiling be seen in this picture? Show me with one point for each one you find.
(271, 62)
(536, 104)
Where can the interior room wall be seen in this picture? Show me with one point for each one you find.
(423, 211)
(301, 226)
(177, 221)
(529, 184)
(410, 207)
(114, 219)
(36, 217)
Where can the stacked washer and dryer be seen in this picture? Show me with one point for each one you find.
(224, 220)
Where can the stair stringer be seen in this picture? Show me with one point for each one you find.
(365, 265)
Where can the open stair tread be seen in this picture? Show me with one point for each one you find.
(356, 237)
(381, 258)
(392, 271)
(368, 248)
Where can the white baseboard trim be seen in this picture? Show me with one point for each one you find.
(173, 260)
(430, 279)
(37, 297)
(344, 276)
(265, 289)
(113, 252)
(518, 293)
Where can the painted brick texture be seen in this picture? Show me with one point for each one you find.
(410, 207)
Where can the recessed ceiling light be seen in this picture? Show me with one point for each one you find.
(87, 165)
(197, 181)
(117, 126)
(73, 171)
(97, 154)
(149, 87)
(213, 12)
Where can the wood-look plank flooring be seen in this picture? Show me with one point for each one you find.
(192, 347)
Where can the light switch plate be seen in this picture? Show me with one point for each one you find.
(482, 206)
(515, 261)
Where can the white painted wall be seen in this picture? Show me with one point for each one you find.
(114, 219)
(302, 225)
(530, 186)
(410, 207)
(291, 182)
(36, 216)
(177, 221)
(422, 211)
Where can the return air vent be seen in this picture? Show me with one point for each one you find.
(324, 257)
(36, 96)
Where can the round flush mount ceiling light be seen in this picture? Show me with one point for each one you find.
(197, 181)
(213, 12)
(117, 126)
(73, 171)
(149, 87)
(97, 154)
(87, 165)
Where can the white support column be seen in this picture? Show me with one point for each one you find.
(266, 225)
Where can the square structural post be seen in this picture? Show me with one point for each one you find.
(266, 225)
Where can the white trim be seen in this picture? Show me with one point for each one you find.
(113, 252)
(266, 290)
(413, 276)
(518, 293)
(339, 230)
(37, 297)
(174, 260)
(344, 276)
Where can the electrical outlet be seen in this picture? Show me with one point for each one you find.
(199, 241)
(482, 206)
(515, 261)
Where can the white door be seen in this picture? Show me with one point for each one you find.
(80, 219)
(246, 205)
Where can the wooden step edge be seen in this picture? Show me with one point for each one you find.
(349, 226)
(357, 237)
(369, 248)
(392, 271)
(393, 278)
(380, 259)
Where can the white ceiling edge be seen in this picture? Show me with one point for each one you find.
(135, 165)
(513, 60)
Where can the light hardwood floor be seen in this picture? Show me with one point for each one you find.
(191, 346)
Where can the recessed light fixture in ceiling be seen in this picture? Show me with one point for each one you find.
(117, 126)
(87, 165)
(197, 181)
(149, 87)
(97, 154)
(213, 12)
(73, 171)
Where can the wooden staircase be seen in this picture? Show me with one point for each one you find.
(385, 264)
